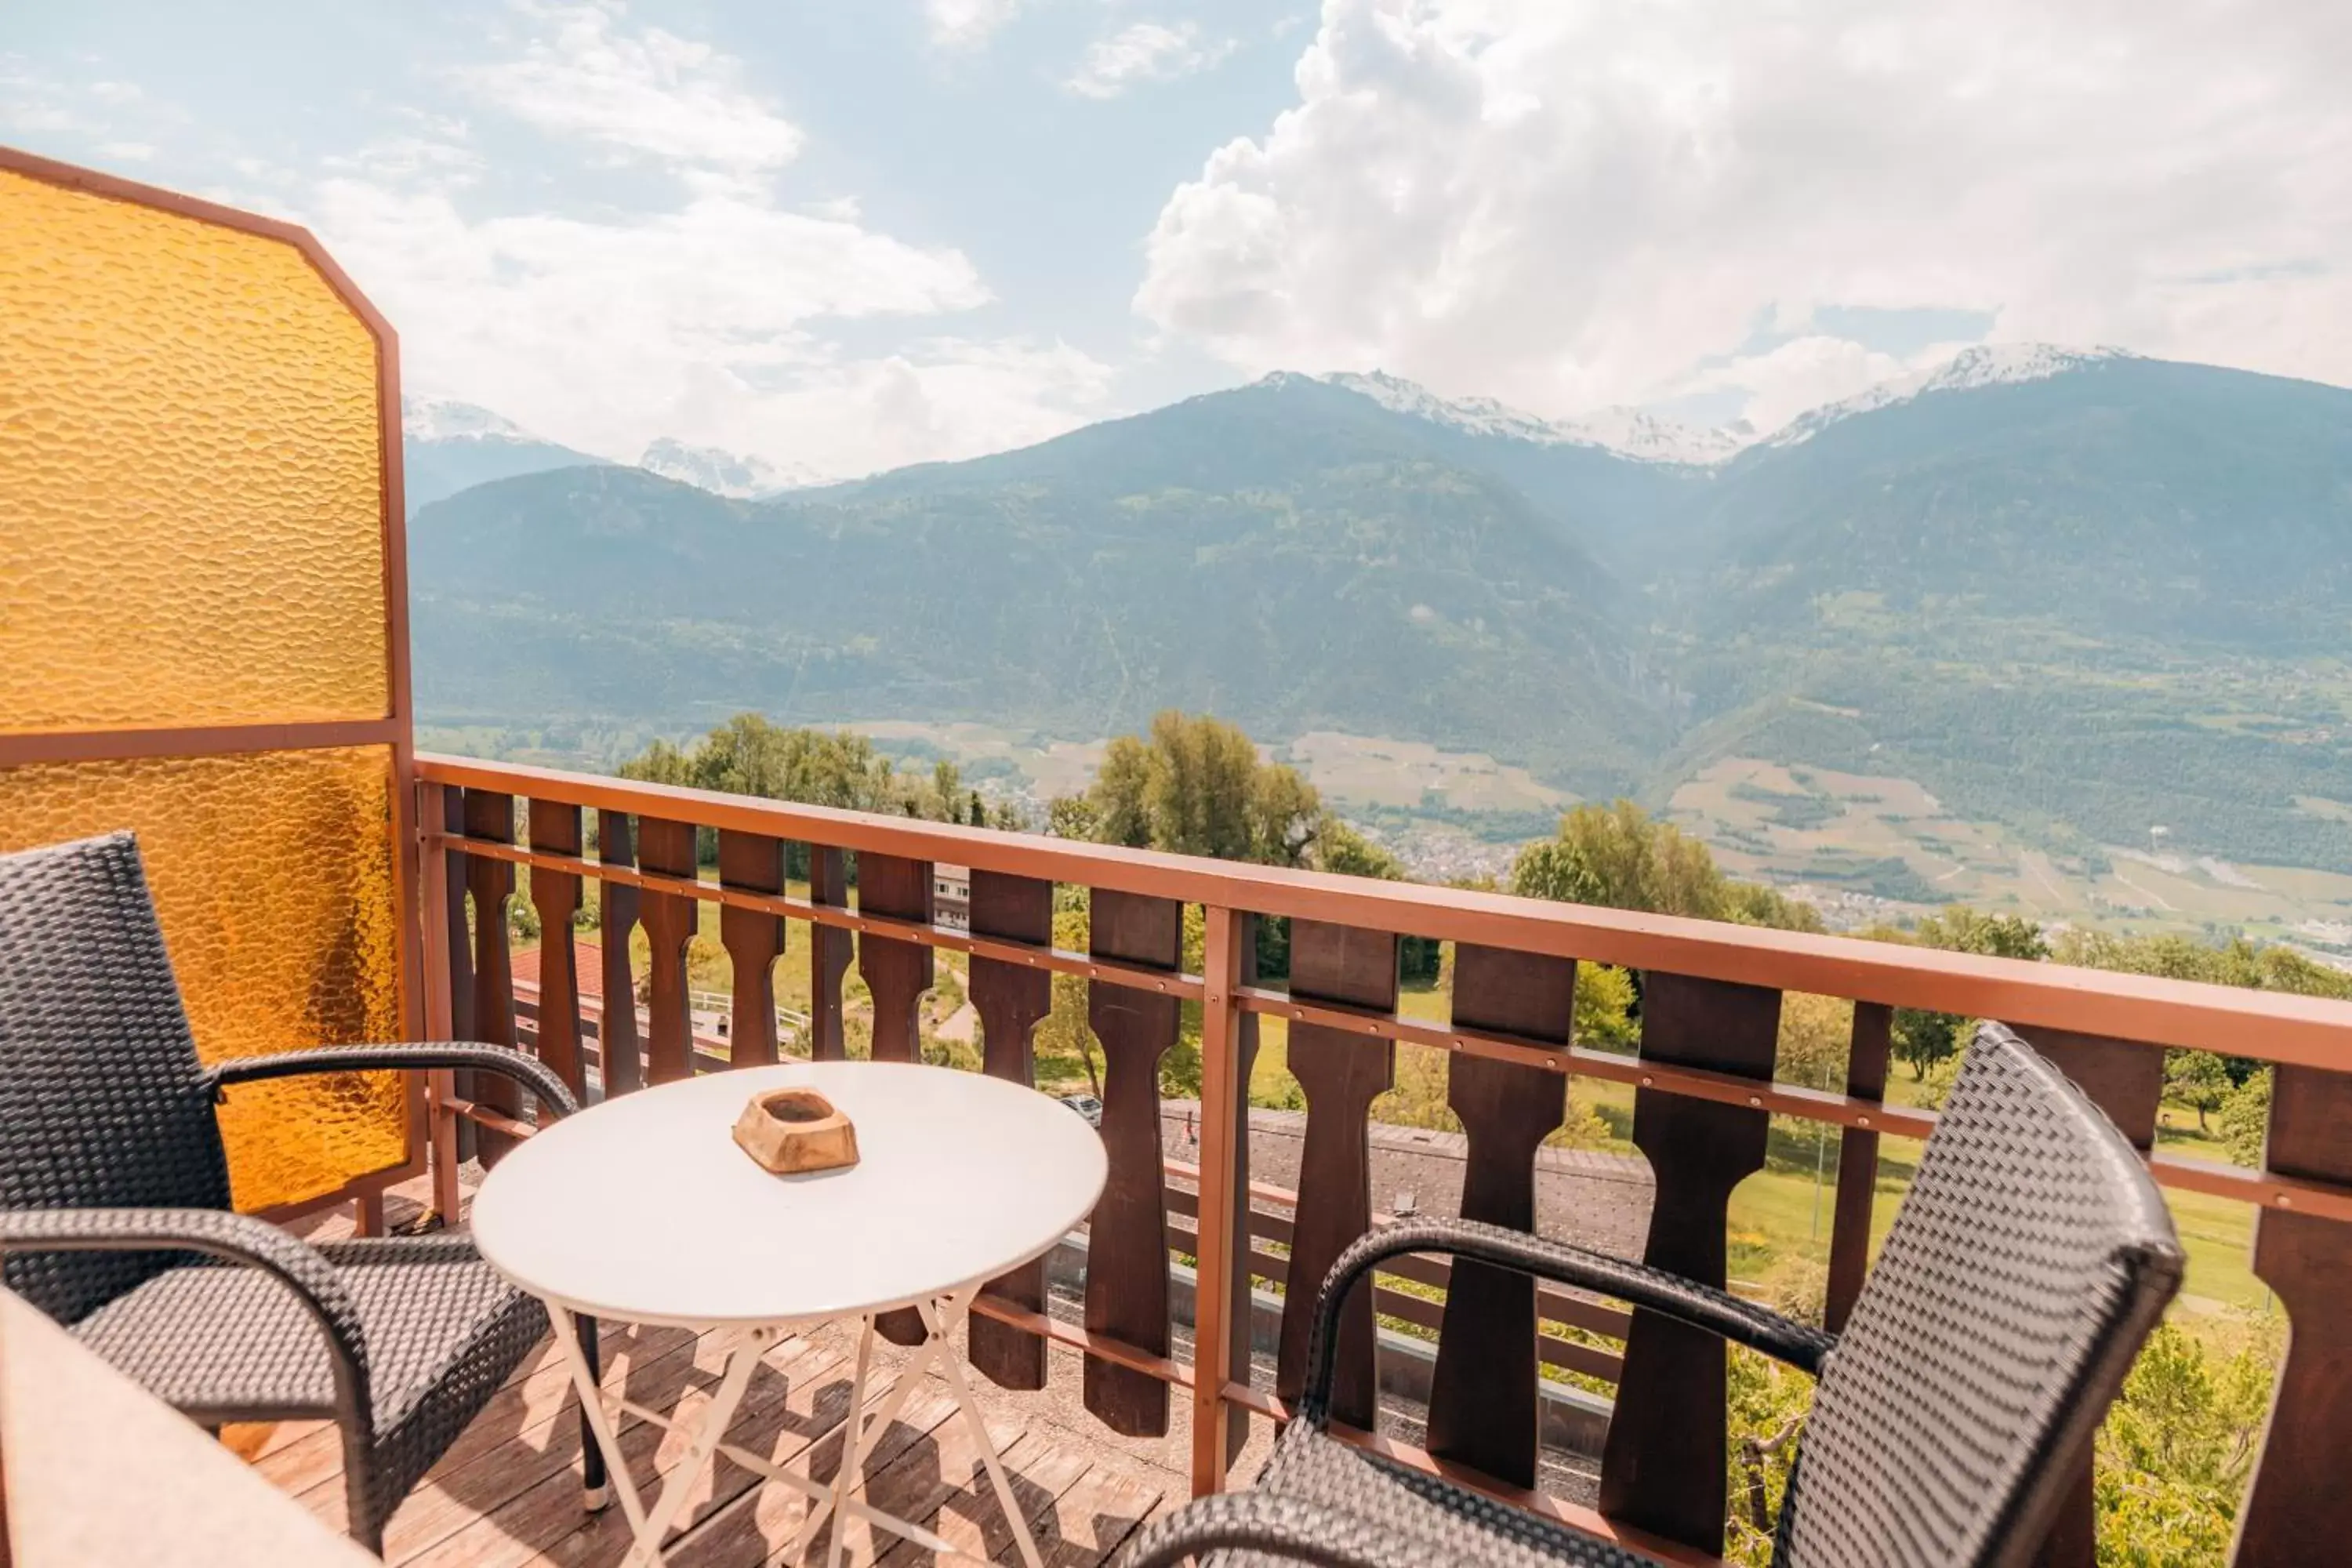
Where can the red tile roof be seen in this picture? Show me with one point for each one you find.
(588, 963)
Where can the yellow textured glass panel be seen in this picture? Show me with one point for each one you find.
(190, 518)
(273, 878)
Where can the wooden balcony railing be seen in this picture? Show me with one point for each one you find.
(1703, 1081)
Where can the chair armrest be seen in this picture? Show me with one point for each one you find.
(1277, 1526)
(1701, 1306)
(525, 1069)
(233, 1238)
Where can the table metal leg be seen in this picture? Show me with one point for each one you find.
(845, 1477)
(862, 1436)
(941, 1325)
(855, 1448)
(592, 1408)
(595, 1488)
(749, 1346)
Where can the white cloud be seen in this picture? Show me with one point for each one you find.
(1142, 52)
(1567, 204)
(31, 102)
(1804, 374)
(444, 156)
(648, 92)
(713, 318)
(965, 24)
(112, 120)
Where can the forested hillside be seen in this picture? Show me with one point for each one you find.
(1332, 588)
(2081, 598)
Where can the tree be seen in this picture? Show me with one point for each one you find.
(1603, 1017)
(1197, 787)
(2197, 1080)
(2246, 1119)
(1962, 930)
(2177, 1448)
(1073, 816)
(1617, 856)
(1919, 1039)
(1339, 847)
(750, 755)
(1115, 806)
(1816, 1036)
(1552, 868)
(1063, 1035)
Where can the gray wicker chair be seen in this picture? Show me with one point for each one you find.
(114, 1203)
(2028, 1263)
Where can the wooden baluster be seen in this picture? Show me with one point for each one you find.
(670, 918)
(555, 895)
(2299, 1496)
(828, 954)
(1221, 1338)
(2126, 1081)
(1009, 999)
(619, 1063)
(1342, 1074)
(1857, 1177)
(461, 969)
(1482, 1399)
(1663, 1463)
(754, 940)
(894, 970)
(490, 816)
(433, 865)
(1242, 1310)
(1127, 1245)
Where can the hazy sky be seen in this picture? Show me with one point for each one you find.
(866, 232)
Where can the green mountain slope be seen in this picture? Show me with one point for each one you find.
(2126, 499)
(1315, 582)
(2099, 596)
(2086, 604)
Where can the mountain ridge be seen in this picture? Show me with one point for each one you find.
(448, 445)
(2064, 592)
(1627, 432)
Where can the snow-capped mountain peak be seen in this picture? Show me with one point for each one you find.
(1627, 432)
(721, 472)
(447, 419)
(1473, 416)
(1982, 365)
(1632, 433)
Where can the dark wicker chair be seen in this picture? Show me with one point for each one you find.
(114, 1203)
(2029, 1263)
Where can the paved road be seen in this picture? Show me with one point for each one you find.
(1601, 1201)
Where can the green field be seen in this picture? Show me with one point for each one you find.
(1888, 839)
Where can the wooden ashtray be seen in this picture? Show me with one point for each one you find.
(793, 1130)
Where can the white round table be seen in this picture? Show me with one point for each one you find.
(642, 1209)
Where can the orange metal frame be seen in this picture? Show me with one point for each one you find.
(396, 729)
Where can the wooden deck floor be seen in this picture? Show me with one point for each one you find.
(508, 1492)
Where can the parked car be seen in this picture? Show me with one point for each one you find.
(1085, 1105)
